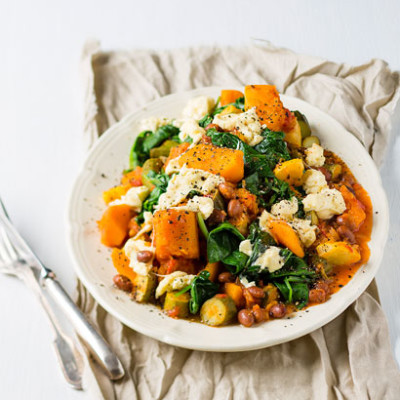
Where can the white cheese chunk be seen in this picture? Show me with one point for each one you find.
(203, 205)
(285, 209)
(326, 203)
(147, 224)
(314, 181)
(183, 183)
(315, 156)
(306, 231)
(133, 197)
(247, 123)
(153, 123)
(132, 248)
(270, 259)
(191, 129)
(245, 247)
(175, 281)
(173, 166)
(264, 218)
(244, 281)
(198, 107)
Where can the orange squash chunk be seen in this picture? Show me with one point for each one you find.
(290, 171)
(115, 193)
(339, 253)
(114, 225)
(269, 107)
(121, 263)
(235, 292)
(228, 163)
(284, 234)
(229, 96)
(176, 234)
(133, 178)
(176, 152)
(354, 216)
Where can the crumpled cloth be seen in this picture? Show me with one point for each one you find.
(349, 358)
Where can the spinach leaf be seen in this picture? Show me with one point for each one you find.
(236, 262)
(201, 289)
(137, 154)
(293, 279)
(161, 183)
(222, 241)
(273, 145)
(146, 140)
(206, 120)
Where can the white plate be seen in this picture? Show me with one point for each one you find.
(102, 169)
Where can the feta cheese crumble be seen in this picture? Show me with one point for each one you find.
(247, 123)
(198, 107)
(147, 225)
(134, 197)
(314, 181)
(270, 259)
(152, 124)
(326, 203)
(175, 281)
(183, 183)
(315, 156)
(246, 283)
(203, 205)
(245, 247)
(132, 248)
(191, 129)
(285, 209)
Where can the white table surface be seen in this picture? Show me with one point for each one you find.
(41, 148)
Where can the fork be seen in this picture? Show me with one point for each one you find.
(93, 341)
(69, 358)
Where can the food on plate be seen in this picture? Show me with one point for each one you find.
(235, 212)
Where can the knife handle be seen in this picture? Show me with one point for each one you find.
(93, 340)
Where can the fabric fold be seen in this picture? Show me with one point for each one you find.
(349, 358)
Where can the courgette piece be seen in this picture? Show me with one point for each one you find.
(219, 310)
(143, 288)
(271, 294)
(335, 170)
(164, 149)
(152, 164)
(310, 140)
(304, 125)
(177, 303)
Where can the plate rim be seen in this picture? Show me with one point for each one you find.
(92, 289)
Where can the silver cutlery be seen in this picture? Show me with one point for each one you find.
(68, 356)
(94, 342)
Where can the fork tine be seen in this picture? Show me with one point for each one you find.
(3, 208)
(8, 246)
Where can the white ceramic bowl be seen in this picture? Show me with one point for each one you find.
(102, 169)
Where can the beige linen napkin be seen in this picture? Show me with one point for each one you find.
(349, 358)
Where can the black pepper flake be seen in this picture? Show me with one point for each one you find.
(340, 285)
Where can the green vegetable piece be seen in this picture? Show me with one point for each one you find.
(222, 241)
(304, 125)
(219, 202)
(179, 302)
(219, 310)
(335, 169)
(313, 217)
(202, 225)
(143, 288)
(310, 140)
(161, 183)
(152, 164)
(164, 149)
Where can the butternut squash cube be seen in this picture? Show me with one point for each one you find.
(227, 163)
(290, 171)
(176, 234)
(339, 253)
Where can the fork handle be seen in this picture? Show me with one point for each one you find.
(93, 340)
